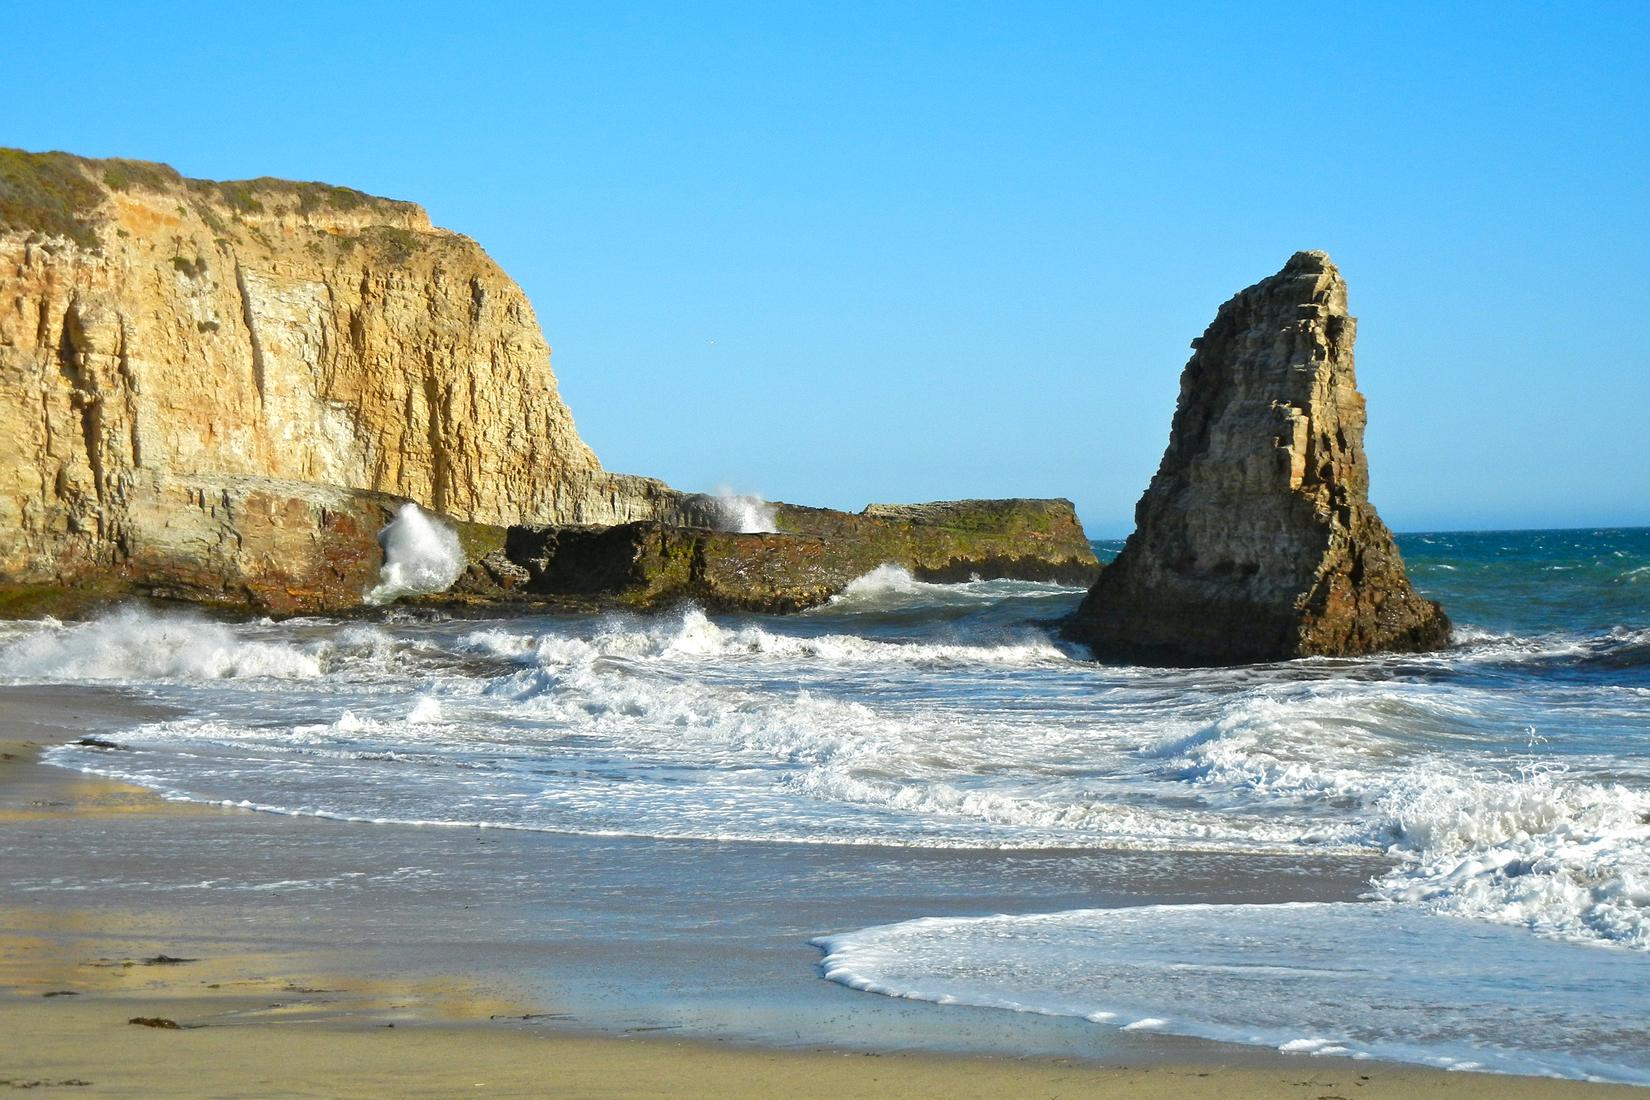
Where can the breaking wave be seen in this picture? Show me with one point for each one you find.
(690, 635)
(1477, 828)
(892, 588)
(136, 645)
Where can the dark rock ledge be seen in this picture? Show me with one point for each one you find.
(814, 554)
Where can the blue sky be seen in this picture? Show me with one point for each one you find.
(842, 253)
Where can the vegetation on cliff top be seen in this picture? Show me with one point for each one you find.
(58, 194)
(256, 196)
(48, 193)
(123, 175)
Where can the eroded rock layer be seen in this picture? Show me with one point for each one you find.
(202, 385)
(1256, 539)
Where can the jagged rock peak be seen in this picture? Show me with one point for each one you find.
(1256, 539)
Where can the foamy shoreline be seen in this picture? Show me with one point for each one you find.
(257, 979)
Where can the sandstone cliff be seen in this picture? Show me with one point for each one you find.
(218, 390)
(1256, 539)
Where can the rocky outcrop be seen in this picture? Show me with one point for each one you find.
(216, 388)
(1256, 539)
(222, 392)
(814, 554)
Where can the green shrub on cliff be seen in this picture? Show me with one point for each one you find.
(239, 195)
(192, 269)
(123, 175)
(397, 244)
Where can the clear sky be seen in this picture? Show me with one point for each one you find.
(838, 253)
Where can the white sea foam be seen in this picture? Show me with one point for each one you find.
(421, 555)
(1311, 979)
(1334, 764)
(1540, 850)
(1480, 646)
(682, 725)
(1313, 763)
(690, 635)
(1528, 843)
(684, 697)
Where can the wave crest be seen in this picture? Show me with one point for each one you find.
(133, 644)
(692, 636)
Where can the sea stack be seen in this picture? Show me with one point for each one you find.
(1256, 540)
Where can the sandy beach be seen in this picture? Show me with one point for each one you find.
(88, 1049)
(263, 1008)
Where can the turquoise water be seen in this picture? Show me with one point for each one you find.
(1502, 785)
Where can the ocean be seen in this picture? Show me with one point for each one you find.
(1496, 795)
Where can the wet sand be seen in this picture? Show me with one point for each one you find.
(89, 1049)
(331, 959)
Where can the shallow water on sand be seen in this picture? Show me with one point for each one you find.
(1498, 793)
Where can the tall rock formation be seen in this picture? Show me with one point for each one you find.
(218, 389)
(1256, 539)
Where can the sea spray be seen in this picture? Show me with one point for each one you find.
(744, 513)
(421, 554)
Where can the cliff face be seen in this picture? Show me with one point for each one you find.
(220, 387)
(1256, 539)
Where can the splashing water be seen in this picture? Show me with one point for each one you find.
(421, 554)
(745, 513)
